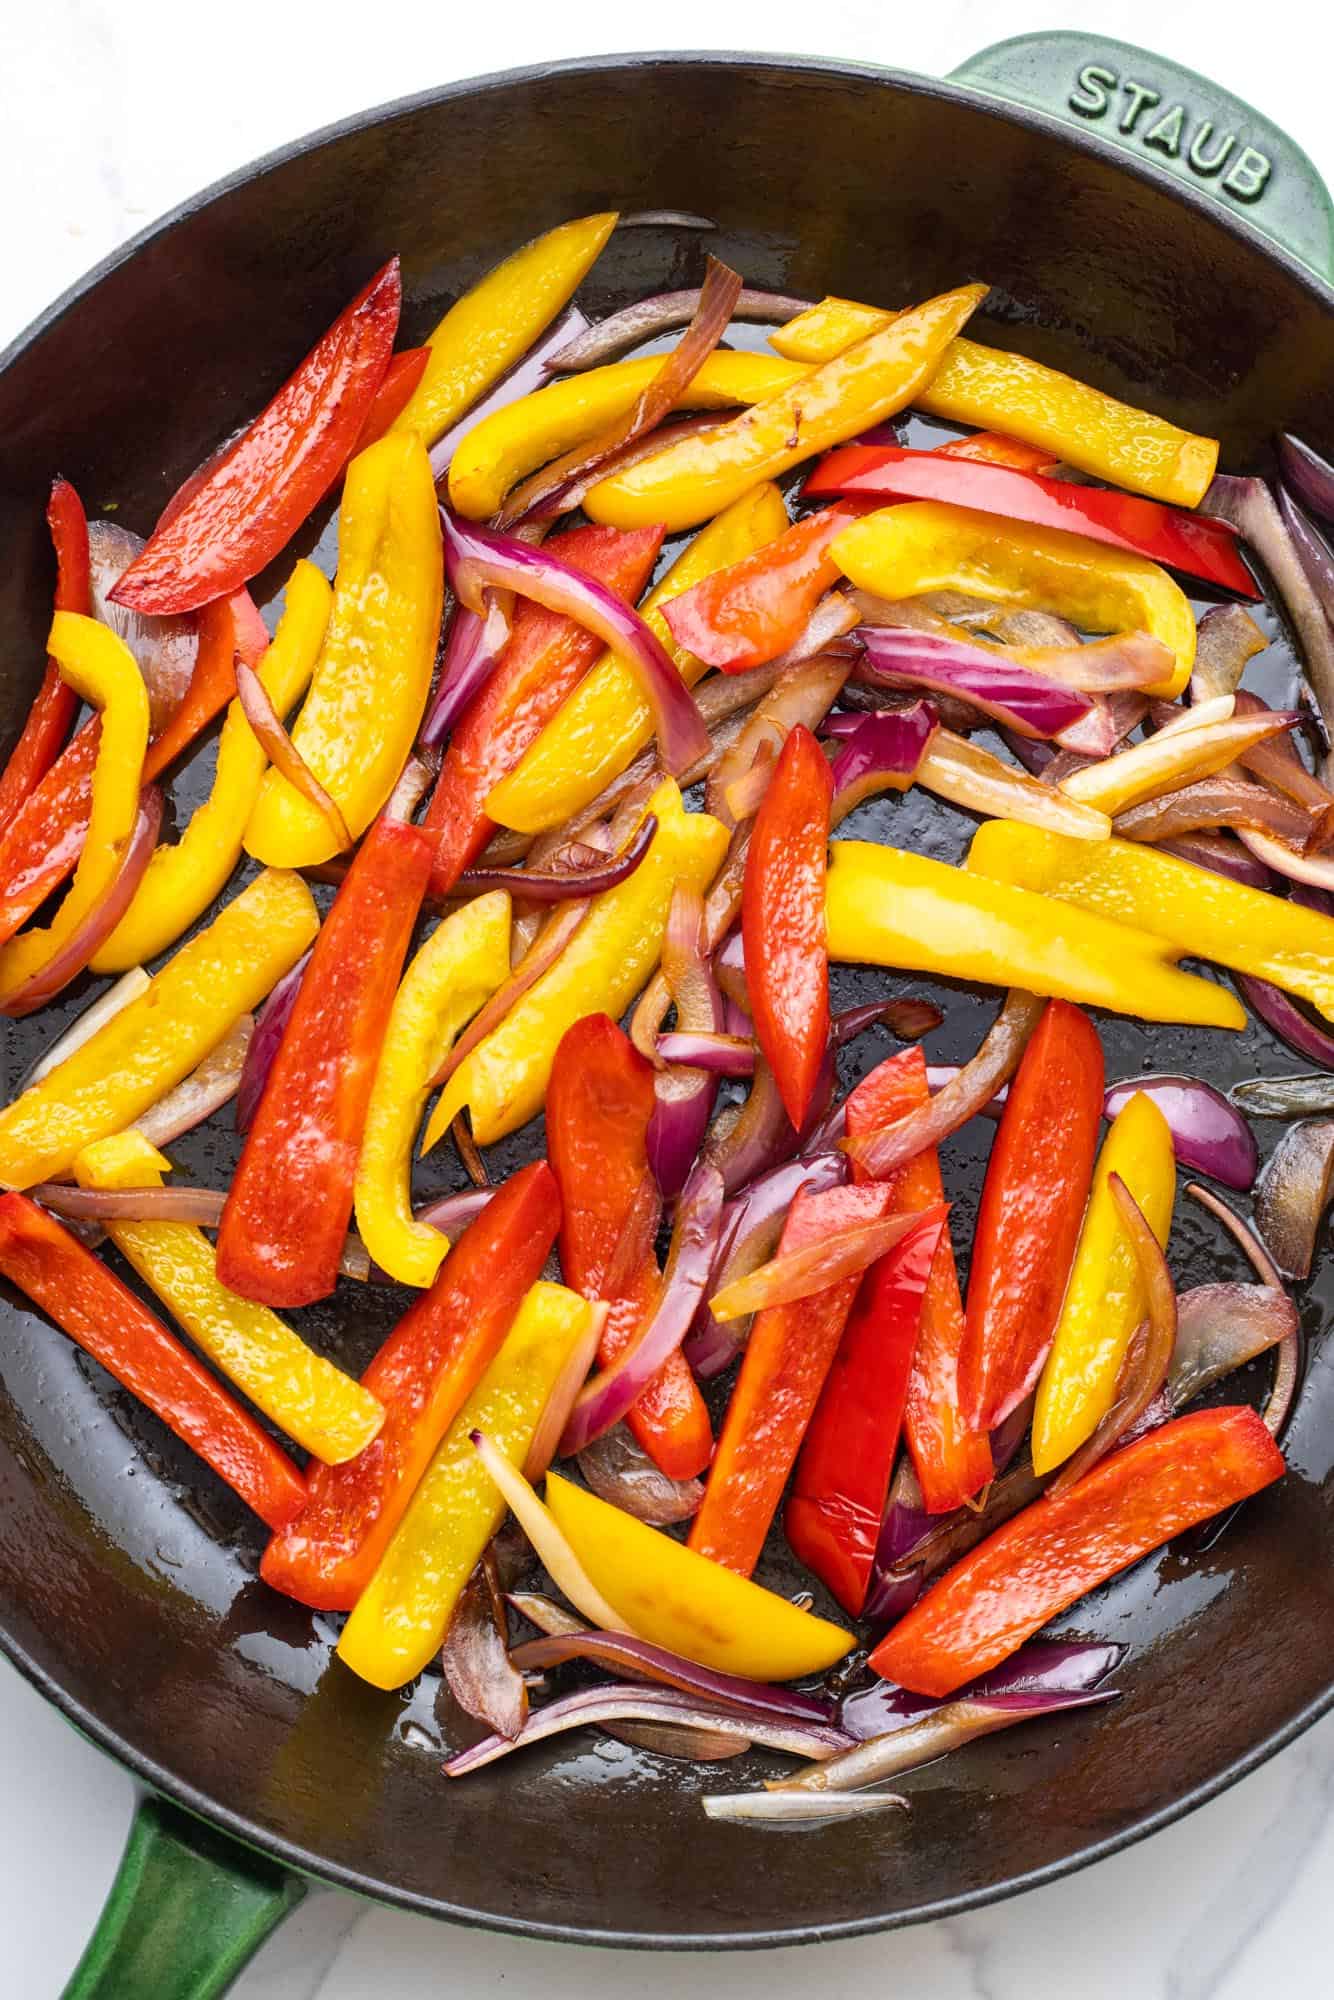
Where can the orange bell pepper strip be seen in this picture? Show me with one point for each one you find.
(790, 1352)
(94, 1308)
(287, 1210)
(952, 1460)
(1029, 1217)
(742, 616)
(44, 840)
(422, 1375)
(1056, 1551)
(599, 1103)
(833, 1514)
(254, 497)
(783, 922)
(545, 659)
(53, 710)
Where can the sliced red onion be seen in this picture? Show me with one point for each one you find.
(473, 645)
(1043, 645)
(1315, 870)
(212, 1084)
(1293, 1192)
(1010, 1433)
(200, 1206)
(549, 1542)
(798, 1808)
(1279, 765)
(541, 955)
(610, 1395)
(564, 1392)
(526, 375)
(662, 313)
(1228, 637)
(761, 1138)
(71, 957)
(411, 785)
(283, 754)
(1220, 1328)
(105, 1008)
(878, 1153)
(1313, 551)
(1279, 1011)
(633, 1702)
(934, 1735)
(1250, 506)
(270, 1027)
(684, 1097)
(720, 1054)
(971, 777)
(475, 1659)
(1043, 1666)
(164, 649)
(939, 1074)
(1307, 473)
(1285, 1096)
(545, 1613)
(1222, 856)
(883, 751)
(557, 488)
(642, 1661)
(799, 1274)
(1108, 723)
(908, 1020)
(1208, 1134)
(476, 558)
(800, 694)
(1289, 1358)
(1224, 800)
(451, 1214)
(1027, 702)
(620, 1471)
(560, 886)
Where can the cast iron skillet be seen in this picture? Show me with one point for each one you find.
(127, 1590)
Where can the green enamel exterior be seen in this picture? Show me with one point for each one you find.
(187, 1910)
(1173, 119)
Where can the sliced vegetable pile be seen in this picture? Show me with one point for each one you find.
(544, 788)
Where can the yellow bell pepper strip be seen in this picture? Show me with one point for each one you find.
(1172, 758)
(102, 669)
(456, 971)
(1105, 1298)
(495, 323)
(601, 727)
(323, 1410)
(182, 880)
(505, 447)
(136, 1057)
(402, 1614)
(615, 948)
(1038, 405)
(674, 1597)
(699, 475)
(1194, 912)
(884, 906)
(357, 724)
(926, 545)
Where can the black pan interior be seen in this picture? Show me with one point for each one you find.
(127, 1584)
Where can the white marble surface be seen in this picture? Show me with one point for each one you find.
(109, 114)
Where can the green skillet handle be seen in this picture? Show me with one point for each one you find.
(187, 1911)
(1170, 118)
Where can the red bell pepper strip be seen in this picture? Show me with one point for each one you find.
(756, 608)
(287, 1210)
(263, 486)
(53, 710)
(106, 1319)
(788, 1355)
(1028, 1220)
(993, 448)
(546, 657)
(783, 922)
(395, 392)
(45, 838)
(952, 1460)
(1056, 1551)
(1199, 544)
(599, 1103)
(833, 1514)
(423, 1375)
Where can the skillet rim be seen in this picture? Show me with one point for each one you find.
(153, 1775)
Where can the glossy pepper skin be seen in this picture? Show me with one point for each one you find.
(1032, 403)
(250, 502)
(1105, 1298)
(787, 1357)
(323, 1410)
(94, 1308)
(693, 478)
(833, 1513)
(783, 921)
(884, 906)
(184, 1012)
(951, 1458)
(1193, 911)
(402, 1615)
(1200, 544)
(287, 1210)
(601, 726)
(396, 390)
(423, 1374)
(53, 709)
(926, 545)
(599, 1103)
(1056, 1551)
(545, 659)
(1029, 1217)
(751, 612)
(185, 876)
